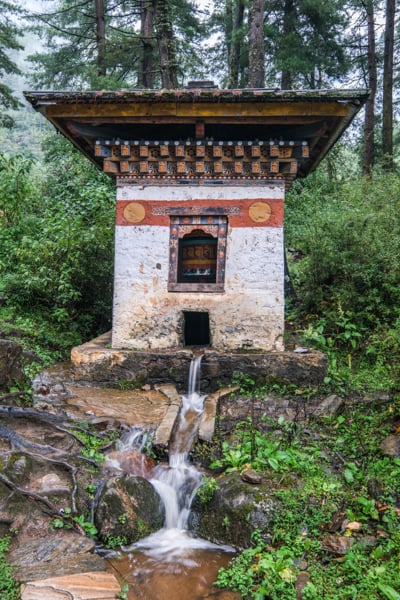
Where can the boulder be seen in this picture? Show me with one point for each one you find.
(128, 509)
(59, 553)
(329, 407)
(10, 363)
(234, 511)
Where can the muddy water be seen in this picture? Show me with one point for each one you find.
(190, 578)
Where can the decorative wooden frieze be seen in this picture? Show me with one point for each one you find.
(200, 150)
(164, 150)
(202, 159)
(125, 149)
(274, 168)
(274, 150)
(239, 150)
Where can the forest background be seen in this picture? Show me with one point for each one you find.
(342, 234)
(342, 222)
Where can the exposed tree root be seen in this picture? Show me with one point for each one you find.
(21, 443)
(41, 499)
(19, 412)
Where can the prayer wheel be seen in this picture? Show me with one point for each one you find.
(199, 258)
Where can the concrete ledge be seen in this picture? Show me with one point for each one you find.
(96, 361)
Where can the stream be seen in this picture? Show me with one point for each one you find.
(172, 563)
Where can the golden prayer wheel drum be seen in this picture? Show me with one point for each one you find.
(199, 257)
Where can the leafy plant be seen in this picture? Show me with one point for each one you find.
(67, 520)
(9, 590)
(207, 489)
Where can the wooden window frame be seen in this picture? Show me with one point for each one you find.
(181, 225)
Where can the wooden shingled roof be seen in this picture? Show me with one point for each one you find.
(316, 118)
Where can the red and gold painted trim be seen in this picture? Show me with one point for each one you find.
(254, 212)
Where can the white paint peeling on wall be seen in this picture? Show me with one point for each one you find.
(213, 193)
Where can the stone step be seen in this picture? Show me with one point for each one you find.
(207, 425)
(164, 430)
(81, 586)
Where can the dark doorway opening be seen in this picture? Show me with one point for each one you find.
(196, 329)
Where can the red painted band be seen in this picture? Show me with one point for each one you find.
(255, 212)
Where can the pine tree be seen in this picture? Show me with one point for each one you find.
(9, 34)
(118, 43)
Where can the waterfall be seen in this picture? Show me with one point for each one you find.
(177, 482)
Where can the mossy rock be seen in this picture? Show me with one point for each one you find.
(234, 511)
(128, 509)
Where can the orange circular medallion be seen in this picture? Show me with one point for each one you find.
(134, 212)
(259, 212)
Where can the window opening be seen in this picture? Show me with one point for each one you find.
(197, 258)
(196, 329)
(197, 253)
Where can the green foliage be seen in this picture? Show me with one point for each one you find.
(9, 590)
(56, 248)
(345, 269)
(70, 58)
(207, 490)
(262, 572)
(93, 443)
(123, 595)
(69, 521)
(261, 450)
(347, 478)
(115, 541)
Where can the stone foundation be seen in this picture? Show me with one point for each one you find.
(96, 361)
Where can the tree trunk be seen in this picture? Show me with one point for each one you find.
(166, 43)
(288, 21)
(100, 39)
(256, 44)
(146, 74)
(236, 43)
(387, 110)
(369, 120)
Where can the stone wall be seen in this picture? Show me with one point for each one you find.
(95, 361)
(247, 314)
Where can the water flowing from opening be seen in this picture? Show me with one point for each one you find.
(173, 550)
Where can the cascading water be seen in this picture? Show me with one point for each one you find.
(173, 550)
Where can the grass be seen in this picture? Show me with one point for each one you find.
(338, 476)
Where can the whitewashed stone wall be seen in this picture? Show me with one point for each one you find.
(248, 314)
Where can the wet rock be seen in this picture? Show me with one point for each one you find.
(10, 363)
(52, 485)
(128, 509)
(130, 461)
(82, 586)
(329, 406)
(391, 446)
(337, 544)
(368, 541)
(18, 466)
(60, 553)
(234, 511)
(250, 476)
